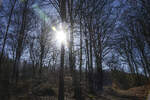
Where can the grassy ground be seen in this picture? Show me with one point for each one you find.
(28, 90)
(136, 93)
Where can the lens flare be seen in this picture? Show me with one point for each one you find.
(53, 28)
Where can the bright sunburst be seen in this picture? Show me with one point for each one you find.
(60, 36)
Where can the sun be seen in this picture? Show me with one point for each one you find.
(60, 36)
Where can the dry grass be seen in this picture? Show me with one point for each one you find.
(140, 93)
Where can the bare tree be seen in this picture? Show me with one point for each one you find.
(7, 30)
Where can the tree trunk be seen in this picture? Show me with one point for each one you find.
(61, 74)
(21, 37)
(6, 33)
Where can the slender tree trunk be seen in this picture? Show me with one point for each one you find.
(90, 75)
(144, 67)
(71, 37)
(33, 69)
(80, 53)
(87, 56)
(61, 74)
(99, 76)
(88, 71)
(6, 33)
(99, 71)
(146, 62)
(41, 62)
(21, 37)
(80, 66)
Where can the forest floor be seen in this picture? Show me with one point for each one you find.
(109, 93)
(137, 93)
(34, 89)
